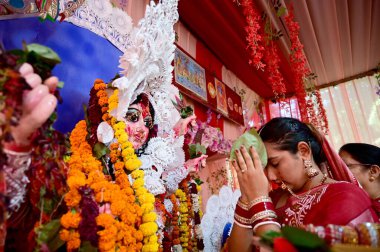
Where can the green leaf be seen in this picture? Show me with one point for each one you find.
(186, 112)
(87, 247)
(248, 139)
(301, 238)
(196, 150)
(281, 11)
(49, 234)
(100, 150)
(269, 236)
(44, 52)
(198, 181)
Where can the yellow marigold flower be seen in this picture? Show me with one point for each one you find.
(105, 220)
(147, 207)
(120, 132)
(122, 138)
(149, 217)
(153, 239)
(150, 247)
(199, 188)
(137, 174)
(132, 164)
(128, 152)
(140, 191)
(146, 198)
(148, 229)
(70, 220)
(138, 183)
(120, 126)
(183, 208)
(126, 145)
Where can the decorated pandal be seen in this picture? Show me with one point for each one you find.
(121, 180)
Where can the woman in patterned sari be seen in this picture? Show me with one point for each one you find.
(315, 186)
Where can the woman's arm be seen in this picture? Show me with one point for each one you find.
(254, 213)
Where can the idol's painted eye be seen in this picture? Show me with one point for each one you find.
(132, 115)
(148, 121)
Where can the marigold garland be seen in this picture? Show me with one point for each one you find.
(118, 224)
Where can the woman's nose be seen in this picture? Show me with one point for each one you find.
(271, 174)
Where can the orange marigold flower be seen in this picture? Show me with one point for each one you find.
(138, 235)
(64, 235)
(119, 165)
(70, 220)
(75, 182)
(105, 117)
(104, 220)
(72, 198)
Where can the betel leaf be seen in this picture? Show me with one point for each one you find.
(248, 139)
(303, 239)
(49, 234)
(100, 150)
(269, 236)
(196, 150)
(186, 112)
(44, 52)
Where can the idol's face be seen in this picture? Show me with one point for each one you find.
(139, 121)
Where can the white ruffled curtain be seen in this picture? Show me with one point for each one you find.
(353, 112)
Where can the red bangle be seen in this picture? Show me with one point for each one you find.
(259, 207)
(17, 148)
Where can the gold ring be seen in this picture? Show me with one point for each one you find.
(242, 171)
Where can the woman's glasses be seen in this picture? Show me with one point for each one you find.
(133, 115)
(356, 165)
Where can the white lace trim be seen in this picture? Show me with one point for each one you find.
(102, 18)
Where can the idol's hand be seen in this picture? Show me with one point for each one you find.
(250, 173)
(182, 125)
(38, 105)
(194, 164)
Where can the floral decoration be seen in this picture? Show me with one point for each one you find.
(254, 38)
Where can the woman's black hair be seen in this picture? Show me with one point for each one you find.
(153, 131)
(288, 132)
(363, 153)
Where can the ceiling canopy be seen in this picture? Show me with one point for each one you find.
(341, 38)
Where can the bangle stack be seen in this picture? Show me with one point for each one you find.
(256, 213)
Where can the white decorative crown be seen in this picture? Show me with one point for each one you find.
(147, 62)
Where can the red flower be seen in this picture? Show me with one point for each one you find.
(280, 244)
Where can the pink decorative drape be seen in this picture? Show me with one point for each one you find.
(353, 112)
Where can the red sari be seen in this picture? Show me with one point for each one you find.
(376, 206)
(339, 203)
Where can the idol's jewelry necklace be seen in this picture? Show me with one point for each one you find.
(284, 186)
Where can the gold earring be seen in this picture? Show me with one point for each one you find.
(309, 170)
(283, 186)
(371, 178)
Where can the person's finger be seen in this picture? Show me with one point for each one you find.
(52, 83)
(25, 69)
(42, 111)
(33, 97)
(247, 158)
(256, 158)
(33, 79)
(240, 160)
